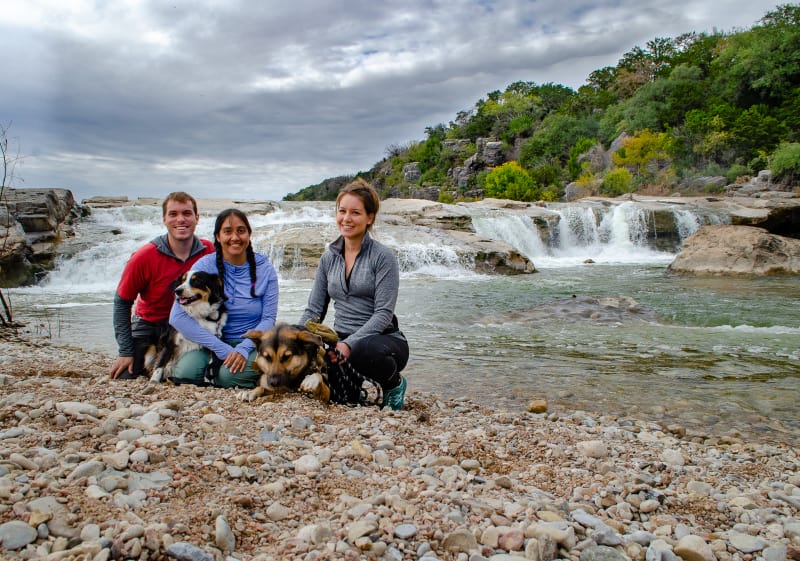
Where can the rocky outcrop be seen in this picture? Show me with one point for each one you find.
(411, 172)
(737, 250)
(489, 154)
(415, 224)
(33, 222)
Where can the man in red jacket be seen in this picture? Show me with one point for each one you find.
(148, 282)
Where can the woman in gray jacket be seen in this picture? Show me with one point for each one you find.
(362, 278)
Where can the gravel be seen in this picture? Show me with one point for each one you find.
(98, 469)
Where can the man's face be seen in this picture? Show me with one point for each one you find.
(180, 220)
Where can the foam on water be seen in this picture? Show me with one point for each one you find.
(771, 330)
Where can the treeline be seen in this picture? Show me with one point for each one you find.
(720, 104)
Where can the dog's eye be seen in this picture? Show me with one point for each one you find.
(267, 357)
(286, 356)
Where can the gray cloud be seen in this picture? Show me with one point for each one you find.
(256, 99)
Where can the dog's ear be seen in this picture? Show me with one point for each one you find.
(254, 335)
(308, 337)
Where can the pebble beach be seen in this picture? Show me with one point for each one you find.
(98, 469)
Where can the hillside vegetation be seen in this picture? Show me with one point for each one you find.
(698, 105)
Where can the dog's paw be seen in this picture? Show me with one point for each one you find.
(251, 395)
(315, 385)
(311, 383)
(158, 376)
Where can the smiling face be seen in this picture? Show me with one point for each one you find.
(352, 218)
(234, 237)
(180, 220)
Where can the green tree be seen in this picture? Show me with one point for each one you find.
(762, 65)
(581, 146)
(552, 141)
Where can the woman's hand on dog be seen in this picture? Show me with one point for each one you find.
(235, 362)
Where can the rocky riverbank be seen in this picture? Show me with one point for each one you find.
(94, 469)
(37, 226)
(33, 223)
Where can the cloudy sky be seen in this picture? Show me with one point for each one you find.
(254, 99)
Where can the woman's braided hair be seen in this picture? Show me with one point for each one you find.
(251, 256)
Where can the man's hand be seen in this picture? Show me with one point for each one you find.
(121, 364)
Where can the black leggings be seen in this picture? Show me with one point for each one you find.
(381, 357)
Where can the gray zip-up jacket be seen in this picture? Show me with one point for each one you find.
(364, 306)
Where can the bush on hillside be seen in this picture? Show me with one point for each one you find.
(617, 182)
(785, 164)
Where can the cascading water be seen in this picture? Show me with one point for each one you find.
(519, 231)
(577, 227)
(625, 227)
(577, 233)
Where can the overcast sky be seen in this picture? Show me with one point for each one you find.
(254, 99)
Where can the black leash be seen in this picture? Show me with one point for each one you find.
(347, 385)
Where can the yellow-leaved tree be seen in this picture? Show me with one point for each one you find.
(646, 156)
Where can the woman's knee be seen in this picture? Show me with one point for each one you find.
(247, 378)
(244, 379)
(191, 366)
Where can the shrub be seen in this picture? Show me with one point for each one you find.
(736, 171)
(617, 182)
(785, 164)
(445, 197)
(510, 181)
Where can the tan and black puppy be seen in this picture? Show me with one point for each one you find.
(290, 358)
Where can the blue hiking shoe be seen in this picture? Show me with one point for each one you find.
(395, 397)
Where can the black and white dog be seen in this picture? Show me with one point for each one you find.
(203, 297)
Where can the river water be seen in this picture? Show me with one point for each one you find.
(716, 355)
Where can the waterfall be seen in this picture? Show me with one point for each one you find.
(625, 227)
(576, 232)
(577, 227)
(560, 235)
(517, 230)
(687, 222)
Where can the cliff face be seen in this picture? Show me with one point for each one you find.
(32, 223)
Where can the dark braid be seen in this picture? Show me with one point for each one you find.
(220, 260)
(251, 259)
(251, 256)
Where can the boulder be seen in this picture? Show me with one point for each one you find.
(737, 250)
(490, 152)
(427, 193)
(412, 172)
(33, 222)
(456, 145)
(419, 212)
(597, 159)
